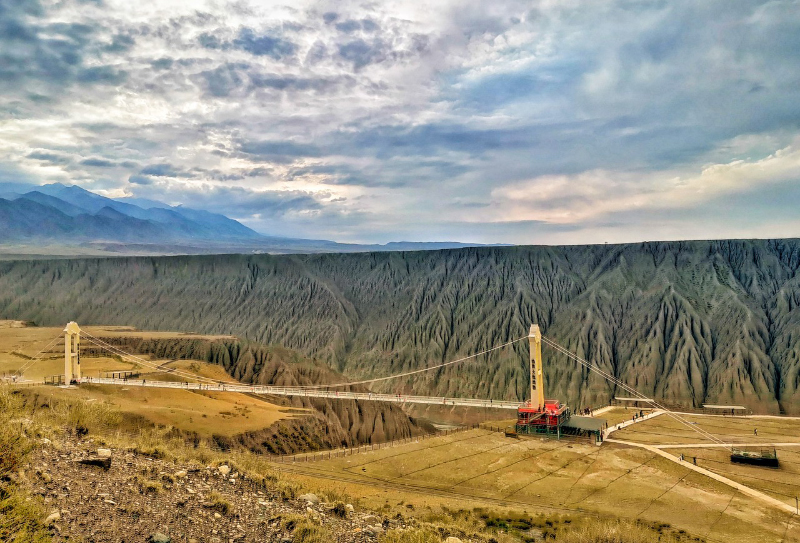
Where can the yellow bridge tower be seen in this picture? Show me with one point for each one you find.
(537, 374)
(72, 357)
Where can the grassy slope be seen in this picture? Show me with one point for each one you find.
(686, 321)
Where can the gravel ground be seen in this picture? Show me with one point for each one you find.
(141, 498)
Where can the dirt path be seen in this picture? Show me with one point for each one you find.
(733, 484)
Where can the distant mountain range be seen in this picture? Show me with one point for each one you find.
(61, 219)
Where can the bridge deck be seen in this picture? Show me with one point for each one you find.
(311, 393)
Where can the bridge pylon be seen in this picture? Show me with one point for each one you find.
(536, 372)
(72, 357)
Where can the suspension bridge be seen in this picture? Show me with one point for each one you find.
(536, 415)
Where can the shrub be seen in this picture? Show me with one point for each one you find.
(307, 532)
(413, 535)
(20, 517)
(217, 502)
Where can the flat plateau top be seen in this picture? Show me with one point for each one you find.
(711, 406)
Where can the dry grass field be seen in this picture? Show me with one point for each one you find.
(476, 468)
(665, 429)
(205, 413)
(19, 343)
(543, 475)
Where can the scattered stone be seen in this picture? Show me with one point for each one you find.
(52, 517)
(104, 453)
(452, 539)
(310, 498)
(224, 469)
(349, 508)
(180, 474)
(158, 537)
(104, 463)
(372, 519)
(217, 515)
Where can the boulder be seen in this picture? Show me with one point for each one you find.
(310, 498)
(104, 453)
(224, 469)
(104, 463)
(52, 517)
(452, 539)
(158, 537)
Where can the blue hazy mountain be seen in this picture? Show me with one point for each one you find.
(59, 214)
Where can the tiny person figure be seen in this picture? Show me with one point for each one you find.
(681, 457)
(755, 431)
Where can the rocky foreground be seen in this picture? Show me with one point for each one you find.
(144, 499)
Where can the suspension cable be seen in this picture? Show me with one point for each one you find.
(35, 358)
(152, 365)
(630, 390)
(405, 374)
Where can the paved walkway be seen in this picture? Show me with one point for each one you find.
(309, 392)
(733, 484)
(725, 445)
(611, 429)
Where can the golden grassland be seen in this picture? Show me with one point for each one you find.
(205, 413)
(478, 482)
(560, 477)
(665, 429)
(432, 518)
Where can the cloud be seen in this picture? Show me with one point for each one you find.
(161, 170)
(557, 121)
(279, 150)
(140, 180)
(349, 26)
(97, 163)
(271, 46)
(222, 80)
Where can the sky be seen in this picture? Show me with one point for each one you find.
(535, 122)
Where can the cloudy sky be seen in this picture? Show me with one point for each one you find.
(552, 121)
